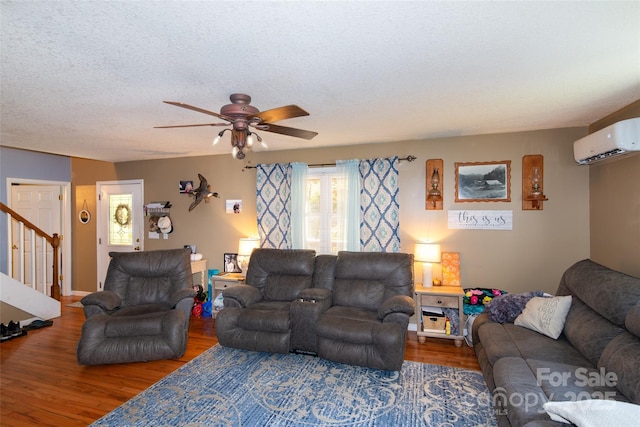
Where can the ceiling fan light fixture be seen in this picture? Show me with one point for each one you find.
(251, 139)
(261, 141)
(219, 136)
(238, 153)
(241, 115)
(239, 138)
(239, 142)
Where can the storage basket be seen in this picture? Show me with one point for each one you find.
(434, 322)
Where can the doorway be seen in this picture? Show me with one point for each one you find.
(119, 222)
(47, 204)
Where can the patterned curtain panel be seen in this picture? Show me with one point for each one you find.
(380, 228)
(273, 186)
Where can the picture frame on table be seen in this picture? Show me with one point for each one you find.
(483, 181)
(231, 263)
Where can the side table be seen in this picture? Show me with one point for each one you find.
(443, 297)
(200, 267)
(222, 282)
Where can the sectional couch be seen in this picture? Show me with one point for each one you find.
(586, 374)
(351, 308)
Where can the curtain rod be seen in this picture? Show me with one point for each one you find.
(409, 158)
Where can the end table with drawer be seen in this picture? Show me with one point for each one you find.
(443, 297)
(222, 282)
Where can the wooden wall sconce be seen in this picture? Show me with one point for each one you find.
(533, 182)
(434, 193)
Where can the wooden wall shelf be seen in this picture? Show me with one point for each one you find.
(434, 204)
(530, 200)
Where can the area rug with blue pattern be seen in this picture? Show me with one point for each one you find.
(232, 387)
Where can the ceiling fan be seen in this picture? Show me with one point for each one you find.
(241, 116)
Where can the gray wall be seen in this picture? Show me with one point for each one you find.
(28, 165)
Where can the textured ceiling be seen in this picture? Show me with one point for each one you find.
(88, 78)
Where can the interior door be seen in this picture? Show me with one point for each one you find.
(120, 220)
(42, 206)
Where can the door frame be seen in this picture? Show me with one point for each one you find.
(100, 276)
(65, 234)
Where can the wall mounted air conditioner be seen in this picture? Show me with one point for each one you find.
(615, 140)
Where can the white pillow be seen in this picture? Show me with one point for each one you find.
(594, 413)
(545, 315)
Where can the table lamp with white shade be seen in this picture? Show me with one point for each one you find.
(427, 253)
(245, 248)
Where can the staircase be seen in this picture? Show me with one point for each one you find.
(29, 300)
(38, 301)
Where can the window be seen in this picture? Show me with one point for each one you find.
(120, 225)
(352, 207)
(324, 225)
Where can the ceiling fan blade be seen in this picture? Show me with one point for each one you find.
(298, 133)
(188, 126)
(280, 113)
(199, 110)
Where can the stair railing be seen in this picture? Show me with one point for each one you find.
(53, 240)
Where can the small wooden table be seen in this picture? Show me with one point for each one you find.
(443, 297)
(222, 282)
(200, 267)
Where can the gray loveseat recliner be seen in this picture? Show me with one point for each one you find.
(143, 312)
(596, 356)
(352, 308)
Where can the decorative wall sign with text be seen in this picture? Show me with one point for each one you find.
(481, 220)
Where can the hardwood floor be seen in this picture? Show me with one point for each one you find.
(42, 384)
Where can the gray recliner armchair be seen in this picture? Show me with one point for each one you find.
(143, 312)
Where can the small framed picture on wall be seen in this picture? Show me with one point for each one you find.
(233, 206)
(186, 187)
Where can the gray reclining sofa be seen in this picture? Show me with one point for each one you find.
(351, 308)
(597, 355)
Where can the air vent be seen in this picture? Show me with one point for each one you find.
(602, 156)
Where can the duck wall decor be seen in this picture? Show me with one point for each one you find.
(203, 192)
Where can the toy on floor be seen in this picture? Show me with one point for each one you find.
(198, 300)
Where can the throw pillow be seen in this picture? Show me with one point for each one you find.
(545, 315)
(506, 308)
(594, 412)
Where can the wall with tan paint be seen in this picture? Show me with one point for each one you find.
(85, 173)
(614, 188)
(533, 255)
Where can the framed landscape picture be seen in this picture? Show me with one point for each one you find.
(483, 181)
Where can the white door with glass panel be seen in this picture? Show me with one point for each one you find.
(120, 220)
